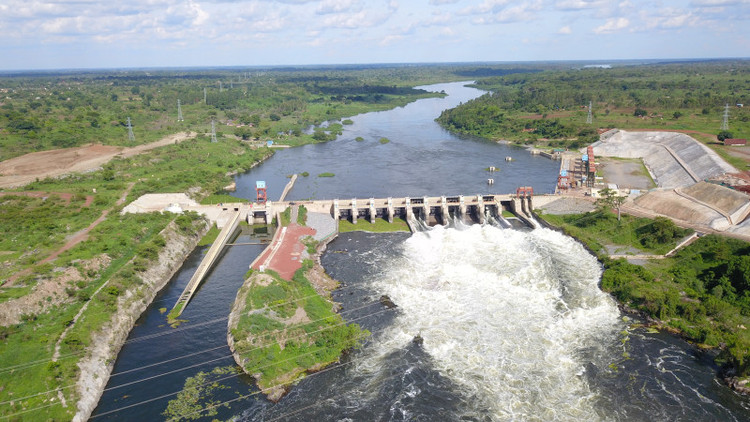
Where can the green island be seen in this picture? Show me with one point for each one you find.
(75, 271)
(71, 263)
(282, 329)
(380, 225)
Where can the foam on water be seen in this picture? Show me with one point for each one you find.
(506, 315)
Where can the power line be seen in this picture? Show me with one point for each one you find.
(306, 334)
(131, 137)
(725, 120)
(251, 394)
(262, 346)
(202, 363)
(26, 365)
(179, 112)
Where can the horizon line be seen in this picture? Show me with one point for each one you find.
(6, 72)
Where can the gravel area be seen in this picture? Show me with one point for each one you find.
(323, 224)
(567, 205)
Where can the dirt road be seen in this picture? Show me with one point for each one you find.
(25, 169)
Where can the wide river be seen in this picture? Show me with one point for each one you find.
(490, 324)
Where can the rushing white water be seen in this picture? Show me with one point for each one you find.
(511, 317)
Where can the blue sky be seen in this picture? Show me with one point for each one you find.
(39, 34)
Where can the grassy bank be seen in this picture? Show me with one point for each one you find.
(550, 108)
(286, 329)
(96, 273)
(379, 226)
(702, 292)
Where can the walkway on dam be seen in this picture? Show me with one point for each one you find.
(206, 264)
(287, 250)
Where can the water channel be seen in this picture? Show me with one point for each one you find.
(490, 324)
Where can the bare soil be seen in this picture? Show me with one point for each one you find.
(20, 171)
(626, 173)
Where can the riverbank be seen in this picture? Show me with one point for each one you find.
(695, 293)
(100, 356)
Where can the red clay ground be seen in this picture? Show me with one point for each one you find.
(285, 255)
(23, 170)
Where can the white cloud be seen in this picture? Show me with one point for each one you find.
(580, 4)
(337, 6)
(668, 19)
(612, 25)
(365, 18)
(714, 3)
(518, 13)
(390, 39)
(565, 30)
(440, 2)
(487, 6)
(448, 32)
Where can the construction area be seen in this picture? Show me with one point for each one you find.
(662, 174)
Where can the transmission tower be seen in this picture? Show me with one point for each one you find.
(725, 122)
(179, 112)
(131, 137)
(213, 131)
(589, 117)
(204, 95)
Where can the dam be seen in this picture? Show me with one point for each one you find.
(429, 211)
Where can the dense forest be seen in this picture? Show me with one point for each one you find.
(553, 104)
(48, 110)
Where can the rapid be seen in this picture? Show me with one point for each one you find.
(509, 316)
(489, 323)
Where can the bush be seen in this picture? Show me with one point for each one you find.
(724, 134)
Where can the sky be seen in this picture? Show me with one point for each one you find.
(65, 34)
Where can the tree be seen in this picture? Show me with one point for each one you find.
(677, 115)
(639, 112)
(610, 198)
(724, 134)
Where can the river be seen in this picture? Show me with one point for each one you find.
(490, 324)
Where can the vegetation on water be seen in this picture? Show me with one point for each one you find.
(46, 110)
(703, 291)
(196, 399)
(380, 225)
(286, 329)
(550, 108)
(326, 174)
(384, 140)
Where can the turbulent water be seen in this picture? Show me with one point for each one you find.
(491, 324)
(506, 315)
